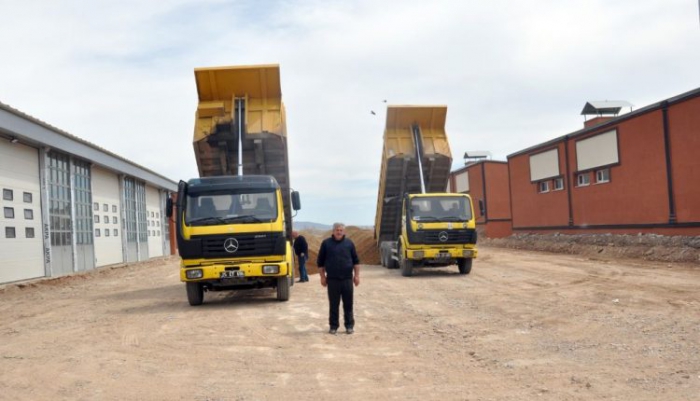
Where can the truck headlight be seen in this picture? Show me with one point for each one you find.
(467, 254)
(417, 254)
(194, 273)
(271, 269)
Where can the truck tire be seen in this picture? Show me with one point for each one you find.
(465, 265)
(406, 267)
(195, 293)
(391, 262)
(283, 288)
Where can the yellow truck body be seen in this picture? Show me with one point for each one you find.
(415, 168)
(234, 222)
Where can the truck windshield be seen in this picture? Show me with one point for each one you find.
(205, 209)
(443, 208)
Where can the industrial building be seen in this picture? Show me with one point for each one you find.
(486, 181)
(623, 174)
(70, 206)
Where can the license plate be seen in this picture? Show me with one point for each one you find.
(443, 255)
(232, 274)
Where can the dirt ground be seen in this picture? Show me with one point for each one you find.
(522, 326)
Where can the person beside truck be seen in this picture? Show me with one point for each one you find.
(339, 268)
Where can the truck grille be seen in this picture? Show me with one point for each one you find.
(453, 236)
(249, 244)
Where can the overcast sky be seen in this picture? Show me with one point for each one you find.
(513, 74)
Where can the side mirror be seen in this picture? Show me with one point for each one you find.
(169, 207)
(482, 210)
(296, 201)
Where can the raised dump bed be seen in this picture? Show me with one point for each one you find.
(400, 170)
(244, 100)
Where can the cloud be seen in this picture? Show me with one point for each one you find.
(513, 74)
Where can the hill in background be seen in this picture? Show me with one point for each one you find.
(307, 225)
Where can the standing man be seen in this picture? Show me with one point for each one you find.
(339, 268)
(301, 248)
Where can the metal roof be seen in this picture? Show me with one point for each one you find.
(32, 131)
(655, 106)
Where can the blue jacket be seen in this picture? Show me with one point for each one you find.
(337, 257)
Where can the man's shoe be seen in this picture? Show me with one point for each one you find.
(349, 330)
(333, 331)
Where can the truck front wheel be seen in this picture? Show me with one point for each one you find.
(283, 288)
(465, 265)
(195, 293)
(405, 264)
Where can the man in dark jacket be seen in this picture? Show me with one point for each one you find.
(339, 268)
(301, 249)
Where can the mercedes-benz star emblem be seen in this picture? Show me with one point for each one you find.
(442, 236)
(231, 245)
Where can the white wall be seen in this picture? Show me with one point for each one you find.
(105, 191)
(19, 172)
(154, 227)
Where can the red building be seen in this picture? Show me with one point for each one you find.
(636, 173)
(487, 183)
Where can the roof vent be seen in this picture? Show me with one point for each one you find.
(605, 108)
(475, 155)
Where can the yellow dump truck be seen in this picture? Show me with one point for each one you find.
(417, 223)
(234, 222)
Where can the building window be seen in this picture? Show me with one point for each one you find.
(543, 186)
(106, 220)
(28, 214)
(602, 176)
(97, 232)
(96, 206)
(7, 194)
(114, 220)
(106, 232)
(29, 232)
(583, 179)
(9, 232)
(105, 207)
(157, 215)
(159, 233)
(115, 232)
(27, 197)
(9, 212)
(558, 184)
(97, 219)
(114, 208)
(153, 214)
(149, 223)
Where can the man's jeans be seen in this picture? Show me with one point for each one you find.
(303, 276)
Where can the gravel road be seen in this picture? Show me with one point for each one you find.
(522, 326)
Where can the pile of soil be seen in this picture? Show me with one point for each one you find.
(650, 247)
(364, 241)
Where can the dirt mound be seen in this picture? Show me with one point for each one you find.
(364, 243)
(650, 247)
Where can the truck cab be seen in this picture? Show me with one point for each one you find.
(437, 230)
(231, 234)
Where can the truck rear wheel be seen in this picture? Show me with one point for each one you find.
(283, 288)
(195, 293)
(465, 265)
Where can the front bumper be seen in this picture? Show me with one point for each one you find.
(442, 253)
(216, 271)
